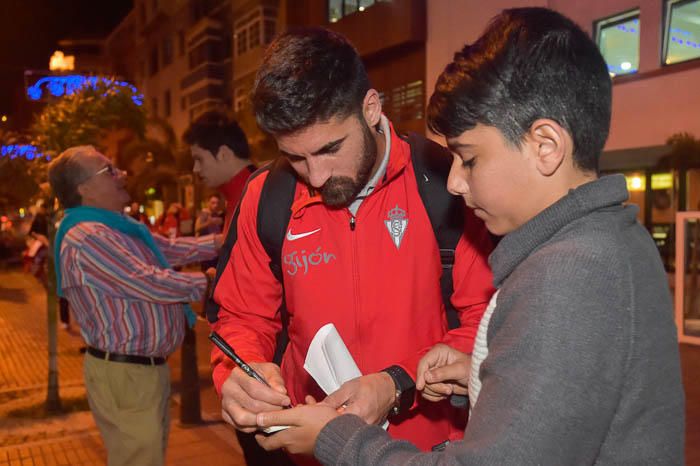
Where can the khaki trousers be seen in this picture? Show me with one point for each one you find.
(130, 405)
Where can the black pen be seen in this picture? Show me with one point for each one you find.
(228, 351)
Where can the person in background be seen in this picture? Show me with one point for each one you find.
(221, 157)
(38, 249)
(210, 221)
(168, 224)
(130, 304)
(136, 214)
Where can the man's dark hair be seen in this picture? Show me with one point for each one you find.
(213, 130)
(308, 76)
(530, 63)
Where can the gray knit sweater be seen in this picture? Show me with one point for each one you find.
(582, 364)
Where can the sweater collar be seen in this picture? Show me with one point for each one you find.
(515, 247)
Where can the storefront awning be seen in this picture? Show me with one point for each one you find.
(637, 158)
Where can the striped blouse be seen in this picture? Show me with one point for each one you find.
(122, 299)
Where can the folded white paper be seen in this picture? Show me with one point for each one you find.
(329, 362)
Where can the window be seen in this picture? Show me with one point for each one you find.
(166, 104)
(241, 42)
(407, 102)
(206, 52)
(339, 8)
(254, 35)
(180, 43)
(153, 62)
(681, 31)
(257, 28)
(241, 99)
(167, 51)
(618, 41)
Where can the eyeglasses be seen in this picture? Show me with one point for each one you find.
(109, 168)
(113, 172)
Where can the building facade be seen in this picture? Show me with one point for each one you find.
(190, 56)
(652, 48)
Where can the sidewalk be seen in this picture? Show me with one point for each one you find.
(28, 438)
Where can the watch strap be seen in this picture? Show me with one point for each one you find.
(405, 389)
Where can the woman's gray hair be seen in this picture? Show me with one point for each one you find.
(66, 173)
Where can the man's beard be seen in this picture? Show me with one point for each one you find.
(340, 191)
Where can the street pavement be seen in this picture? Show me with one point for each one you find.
(28, 438)
(73, 439)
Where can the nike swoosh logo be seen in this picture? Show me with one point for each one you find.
(292, 237)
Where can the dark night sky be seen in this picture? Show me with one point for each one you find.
(30, 30)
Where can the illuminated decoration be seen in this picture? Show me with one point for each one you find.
(635, 183)
(4, 118)
(59, 86)
(150, 191)
(22, 212)
(60, 62)
(25, 151)
(661, 181)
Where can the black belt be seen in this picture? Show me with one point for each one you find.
(115, 357)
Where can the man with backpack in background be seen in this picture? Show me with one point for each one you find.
(361, 242)
(221, 157)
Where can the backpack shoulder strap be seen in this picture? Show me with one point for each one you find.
(431, 164)
(275, 210)
(210, 306)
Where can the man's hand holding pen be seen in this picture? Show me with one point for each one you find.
(250, 389)
(243, 397)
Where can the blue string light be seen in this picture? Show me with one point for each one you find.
(59, 86)
(26, 151)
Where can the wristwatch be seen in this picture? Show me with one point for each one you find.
(405, 390)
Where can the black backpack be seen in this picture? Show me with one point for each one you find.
(431, 163)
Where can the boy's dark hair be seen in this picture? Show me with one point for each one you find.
(213, 130)
(307, 76)
(530, 63)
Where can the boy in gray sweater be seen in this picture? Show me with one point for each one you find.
(576, 359)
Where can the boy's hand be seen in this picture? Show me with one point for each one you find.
(443, 371)
(369, 397)
(305, 421)
(243, 397)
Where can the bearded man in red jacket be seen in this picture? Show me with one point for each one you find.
(359, 252)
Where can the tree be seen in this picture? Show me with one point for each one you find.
(92, 115)
(103, 113)
(20, 171)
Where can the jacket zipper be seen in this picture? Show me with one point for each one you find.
(356, 286)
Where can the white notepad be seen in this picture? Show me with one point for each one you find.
(330, 364)
(329, 361)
